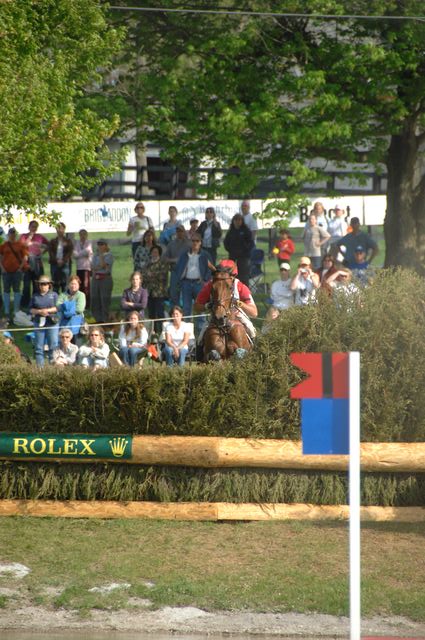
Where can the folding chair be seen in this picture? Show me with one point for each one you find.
(257, 272)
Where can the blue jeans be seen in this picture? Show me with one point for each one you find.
(12, 281)
(169, 355)
(129, 355)
(190, 290)
(47, 336)
(174, 288)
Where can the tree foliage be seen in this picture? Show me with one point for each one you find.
(266, 95)
(51, 145)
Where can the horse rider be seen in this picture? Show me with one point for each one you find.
(244, 302)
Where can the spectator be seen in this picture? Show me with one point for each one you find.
(249, 219)
(13, 262)
(177, 336)
(194, 226)
(192, 271)
(43, 309)
(320, 213)
(36, 244)
(137, 226)
(83, 253)
(284, 247)
(325, 271)
(65, 353)
(356, 238)
(135, 298)
(133, 339)
(71, 306)
(239, 244)
(60, 254)
(305, 282)
(102, 283)
(362, 272)
(342, 287)
(172, 253)
(155, 276)
(168, 232)
(337, 227)
(95, 354)
(143, 252)
(282, 296)
(314, 237)
(210, 232)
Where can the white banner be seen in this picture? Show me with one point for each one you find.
(104, 217)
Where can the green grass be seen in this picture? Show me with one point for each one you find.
(276, 567)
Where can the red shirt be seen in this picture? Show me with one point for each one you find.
(205, 293)
(286, 249)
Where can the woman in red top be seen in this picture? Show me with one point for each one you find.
(284, 247)
(13, 262)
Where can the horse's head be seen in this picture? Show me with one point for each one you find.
(222, 293)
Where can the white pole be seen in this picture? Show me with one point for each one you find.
(354, 493)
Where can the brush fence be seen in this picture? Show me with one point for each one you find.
(206, 452)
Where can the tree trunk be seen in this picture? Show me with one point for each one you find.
(404, 225)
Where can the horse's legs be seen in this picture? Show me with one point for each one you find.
(214, 342)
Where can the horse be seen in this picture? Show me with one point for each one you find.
(225, 334)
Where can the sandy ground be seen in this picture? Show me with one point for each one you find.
(192, 621)
(18, 612)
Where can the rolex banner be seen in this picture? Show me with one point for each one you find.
(68, 446)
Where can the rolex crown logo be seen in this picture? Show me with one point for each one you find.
(118, 446)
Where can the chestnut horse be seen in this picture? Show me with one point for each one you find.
(225, 333)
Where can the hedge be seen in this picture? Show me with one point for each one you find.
(249, 397)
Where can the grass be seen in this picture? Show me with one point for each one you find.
(274, 567)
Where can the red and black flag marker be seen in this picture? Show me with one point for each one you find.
(324, 402)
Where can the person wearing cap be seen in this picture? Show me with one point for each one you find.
(37, 245)
(60, 254)
(210, 232)
(13, 262)
(181, 244)
(362, 271)
(43, 308)
(281, 294)
(314, 238)
(246, 307)
(348, 244)
(137, 226)
(101, 284)
(305, 282)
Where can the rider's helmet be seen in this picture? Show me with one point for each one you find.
(229, 266)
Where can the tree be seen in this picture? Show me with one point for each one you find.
(51, 143)
(265, 95)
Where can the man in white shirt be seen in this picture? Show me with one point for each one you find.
(249, 219)
(282, 295)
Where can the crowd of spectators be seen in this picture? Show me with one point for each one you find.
(168, 275)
